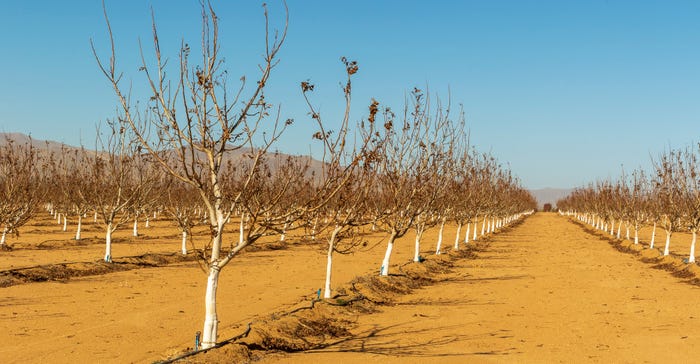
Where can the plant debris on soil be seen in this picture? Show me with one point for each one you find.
(63, 272)
(320, 323)
(676, 265)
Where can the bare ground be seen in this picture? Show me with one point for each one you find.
(548, 291)
(545, 291)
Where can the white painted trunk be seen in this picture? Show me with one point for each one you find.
(416, 254)
(148, 221)
(284, 232)
(241, 229)
(329, 262)
(329, 270)
(474, 236)
(619, 228)
(466, 235)
(627, 235)
(313, 229)
(653, 236)
(384, 270)
(636, 234)
(459, 229)
(80, 227)
(94, 219)
(184, 243)
(211, 321)
(4, 235)
(108, 243)
(668, 243)
(691, 258)
(483, 226)
(439, 241)
(136, 227)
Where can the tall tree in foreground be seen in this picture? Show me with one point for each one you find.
(192, 121)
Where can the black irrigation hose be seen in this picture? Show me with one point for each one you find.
(217, 345)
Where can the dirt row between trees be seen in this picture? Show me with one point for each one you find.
(145, 315)
(545, 291)
(548, 291)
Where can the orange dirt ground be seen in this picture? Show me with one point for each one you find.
(545, 291)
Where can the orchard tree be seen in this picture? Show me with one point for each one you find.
(689, 190)
(116, 178)
(668, 191)
(192, 121)
(20, 186)
(411, 157)
(349, 175)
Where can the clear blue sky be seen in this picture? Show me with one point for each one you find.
(563, 91)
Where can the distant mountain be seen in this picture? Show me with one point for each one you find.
(39, 144)
(275, 159)
(549, 195)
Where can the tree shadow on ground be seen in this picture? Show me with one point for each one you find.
(390, 340)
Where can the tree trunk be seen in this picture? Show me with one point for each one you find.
(474, 236)
(439, 241)
(459, 229)
(184, 242)
(241, 229)
(65, 223)
(329, 262)
(108, 243)
(653, 236)
(211, 321)
(636, 233)
(619, 228)
(313, 229)
(483, 226)
(668, 243)
(466, 235)
(284, 232)
(4, 235)
(419, 234)
(136, 226)
(384, 270)
(691, 258)
(80, 227)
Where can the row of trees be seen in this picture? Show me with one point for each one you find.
(202, 153)
(667, 196)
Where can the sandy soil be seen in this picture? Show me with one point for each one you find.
(546, 291)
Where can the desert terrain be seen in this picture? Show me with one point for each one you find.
(545, 290)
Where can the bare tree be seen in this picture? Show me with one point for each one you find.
(667, 190)
(116, 183)
(182, 204)
(689, 194)
(198, 120)
(410, 158)
(20, 186)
